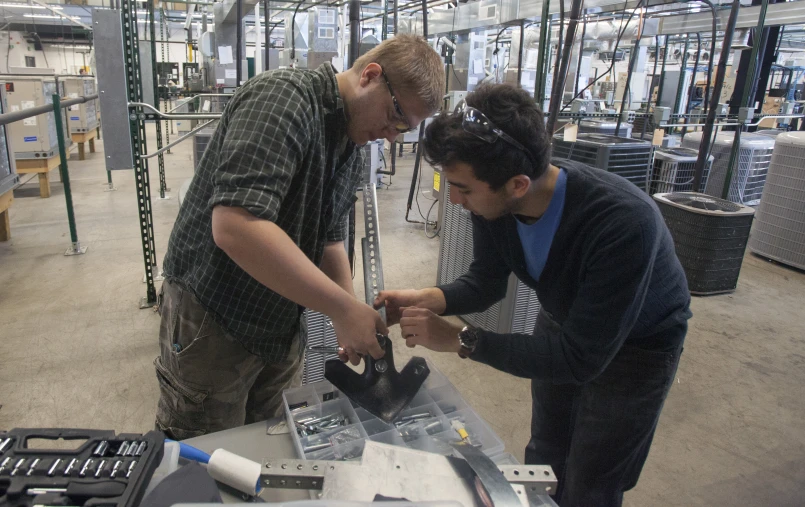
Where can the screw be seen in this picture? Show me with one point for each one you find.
(381, 366)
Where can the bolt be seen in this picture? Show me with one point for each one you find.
(381, 366)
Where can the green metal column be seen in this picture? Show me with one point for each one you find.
(155, 73)
(544, 43)
(128, 12)
(75, 247)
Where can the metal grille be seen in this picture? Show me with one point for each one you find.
(629, 158)
(605, 127)
(200, 141)
(526, 309)
(316, 330)
(455, 256)
(48, 90)
(749, 176)
(674, 169)
(779, 231)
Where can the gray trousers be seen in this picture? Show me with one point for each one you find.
(208, 382)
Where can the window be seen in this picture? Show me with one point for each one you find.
(30, 61)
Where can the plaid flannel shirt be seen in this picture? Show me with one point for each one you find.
(278, 152)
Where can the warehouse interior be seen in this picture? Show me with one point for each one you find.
(646, 90)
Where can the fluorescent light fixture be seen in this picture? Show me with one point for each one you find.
(29, 6)
(49, 16)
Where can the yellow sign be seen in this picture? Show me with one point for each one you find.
(437, 180)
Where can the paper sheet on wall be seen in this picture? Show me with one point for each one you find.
(231, 73)
(472, 81)
(477, 66)
(225, 55)
(220, 81)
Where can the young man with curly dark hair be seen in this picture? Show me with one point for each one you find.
(614, 298)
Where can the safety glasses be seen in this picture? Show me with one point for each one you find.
(477, 124)
(402, 126)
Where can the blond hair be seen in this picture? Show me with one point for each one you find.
(411, 65)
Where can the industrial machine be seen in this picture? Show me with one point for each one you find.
(779, 231)
(8, 169)
(34, 137)
(710, 236)
(674, 169)
(749, 174)
(630, 158)
(200, 141)
(81, 118)
(517, 312)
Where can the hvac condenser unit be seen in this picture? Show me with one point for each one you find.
(630, 158)
(779, 231)
(81, 118)
(674, 169)
(517, 312)
(8, 171)
(33, 137)
(749, 174)
(710, 236)
(606, 127)
(200, 141)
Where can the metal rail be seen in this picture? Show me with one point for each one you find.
(174, 143)
(7, 118)
(159, 114)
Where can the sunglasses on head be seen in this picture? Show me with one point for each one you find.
(476, 123)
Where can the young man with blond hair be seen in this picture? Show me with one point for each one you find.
(259, 237)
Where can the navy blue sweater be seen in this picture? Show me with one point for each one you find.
(612, 278)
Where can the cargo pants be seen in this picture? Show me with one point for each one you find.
(208, 382)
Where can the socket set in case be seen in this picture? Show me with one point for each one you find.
(105, 470)
(326, 425)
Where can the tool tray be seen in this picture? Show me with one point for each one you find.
(103, 471)
(437, 398)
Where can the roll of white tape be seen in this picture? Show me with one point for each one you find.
(236, 471)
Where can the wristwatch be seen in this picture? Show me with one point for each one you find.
(468, 338)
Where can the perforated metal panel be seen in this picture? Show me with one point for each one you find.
(749, 175)
(629, 158)
(518, 311)
(779, 231)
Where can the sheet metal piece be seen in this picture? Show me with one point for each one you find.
(497, 487)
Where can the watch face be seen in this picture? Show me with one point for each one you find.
(468, 338)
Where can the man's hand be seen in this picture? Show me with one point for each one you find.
(420, 326)
(356, 330)
(395, 300)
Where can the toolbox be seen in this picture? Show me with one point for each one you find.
(326, 425)
(106, 470)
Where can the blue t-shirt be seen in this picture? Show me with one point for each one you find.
(537, 237)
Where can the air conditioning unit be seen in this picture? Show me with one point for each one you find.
(710, 236)
(630, 158)
(200, 141)
(606, 127)
(749, 175)
(8, 169)
(779, 232)
(34, 137)
(81, 118)
(316, 330)
(674, 169)
(517, 312)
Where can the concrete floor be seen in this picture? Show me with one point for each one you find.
(77, 351)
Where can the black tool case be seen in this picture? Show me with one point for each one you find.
(107, 470)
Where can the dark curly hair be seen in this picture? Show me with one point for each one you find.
(512, 110)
